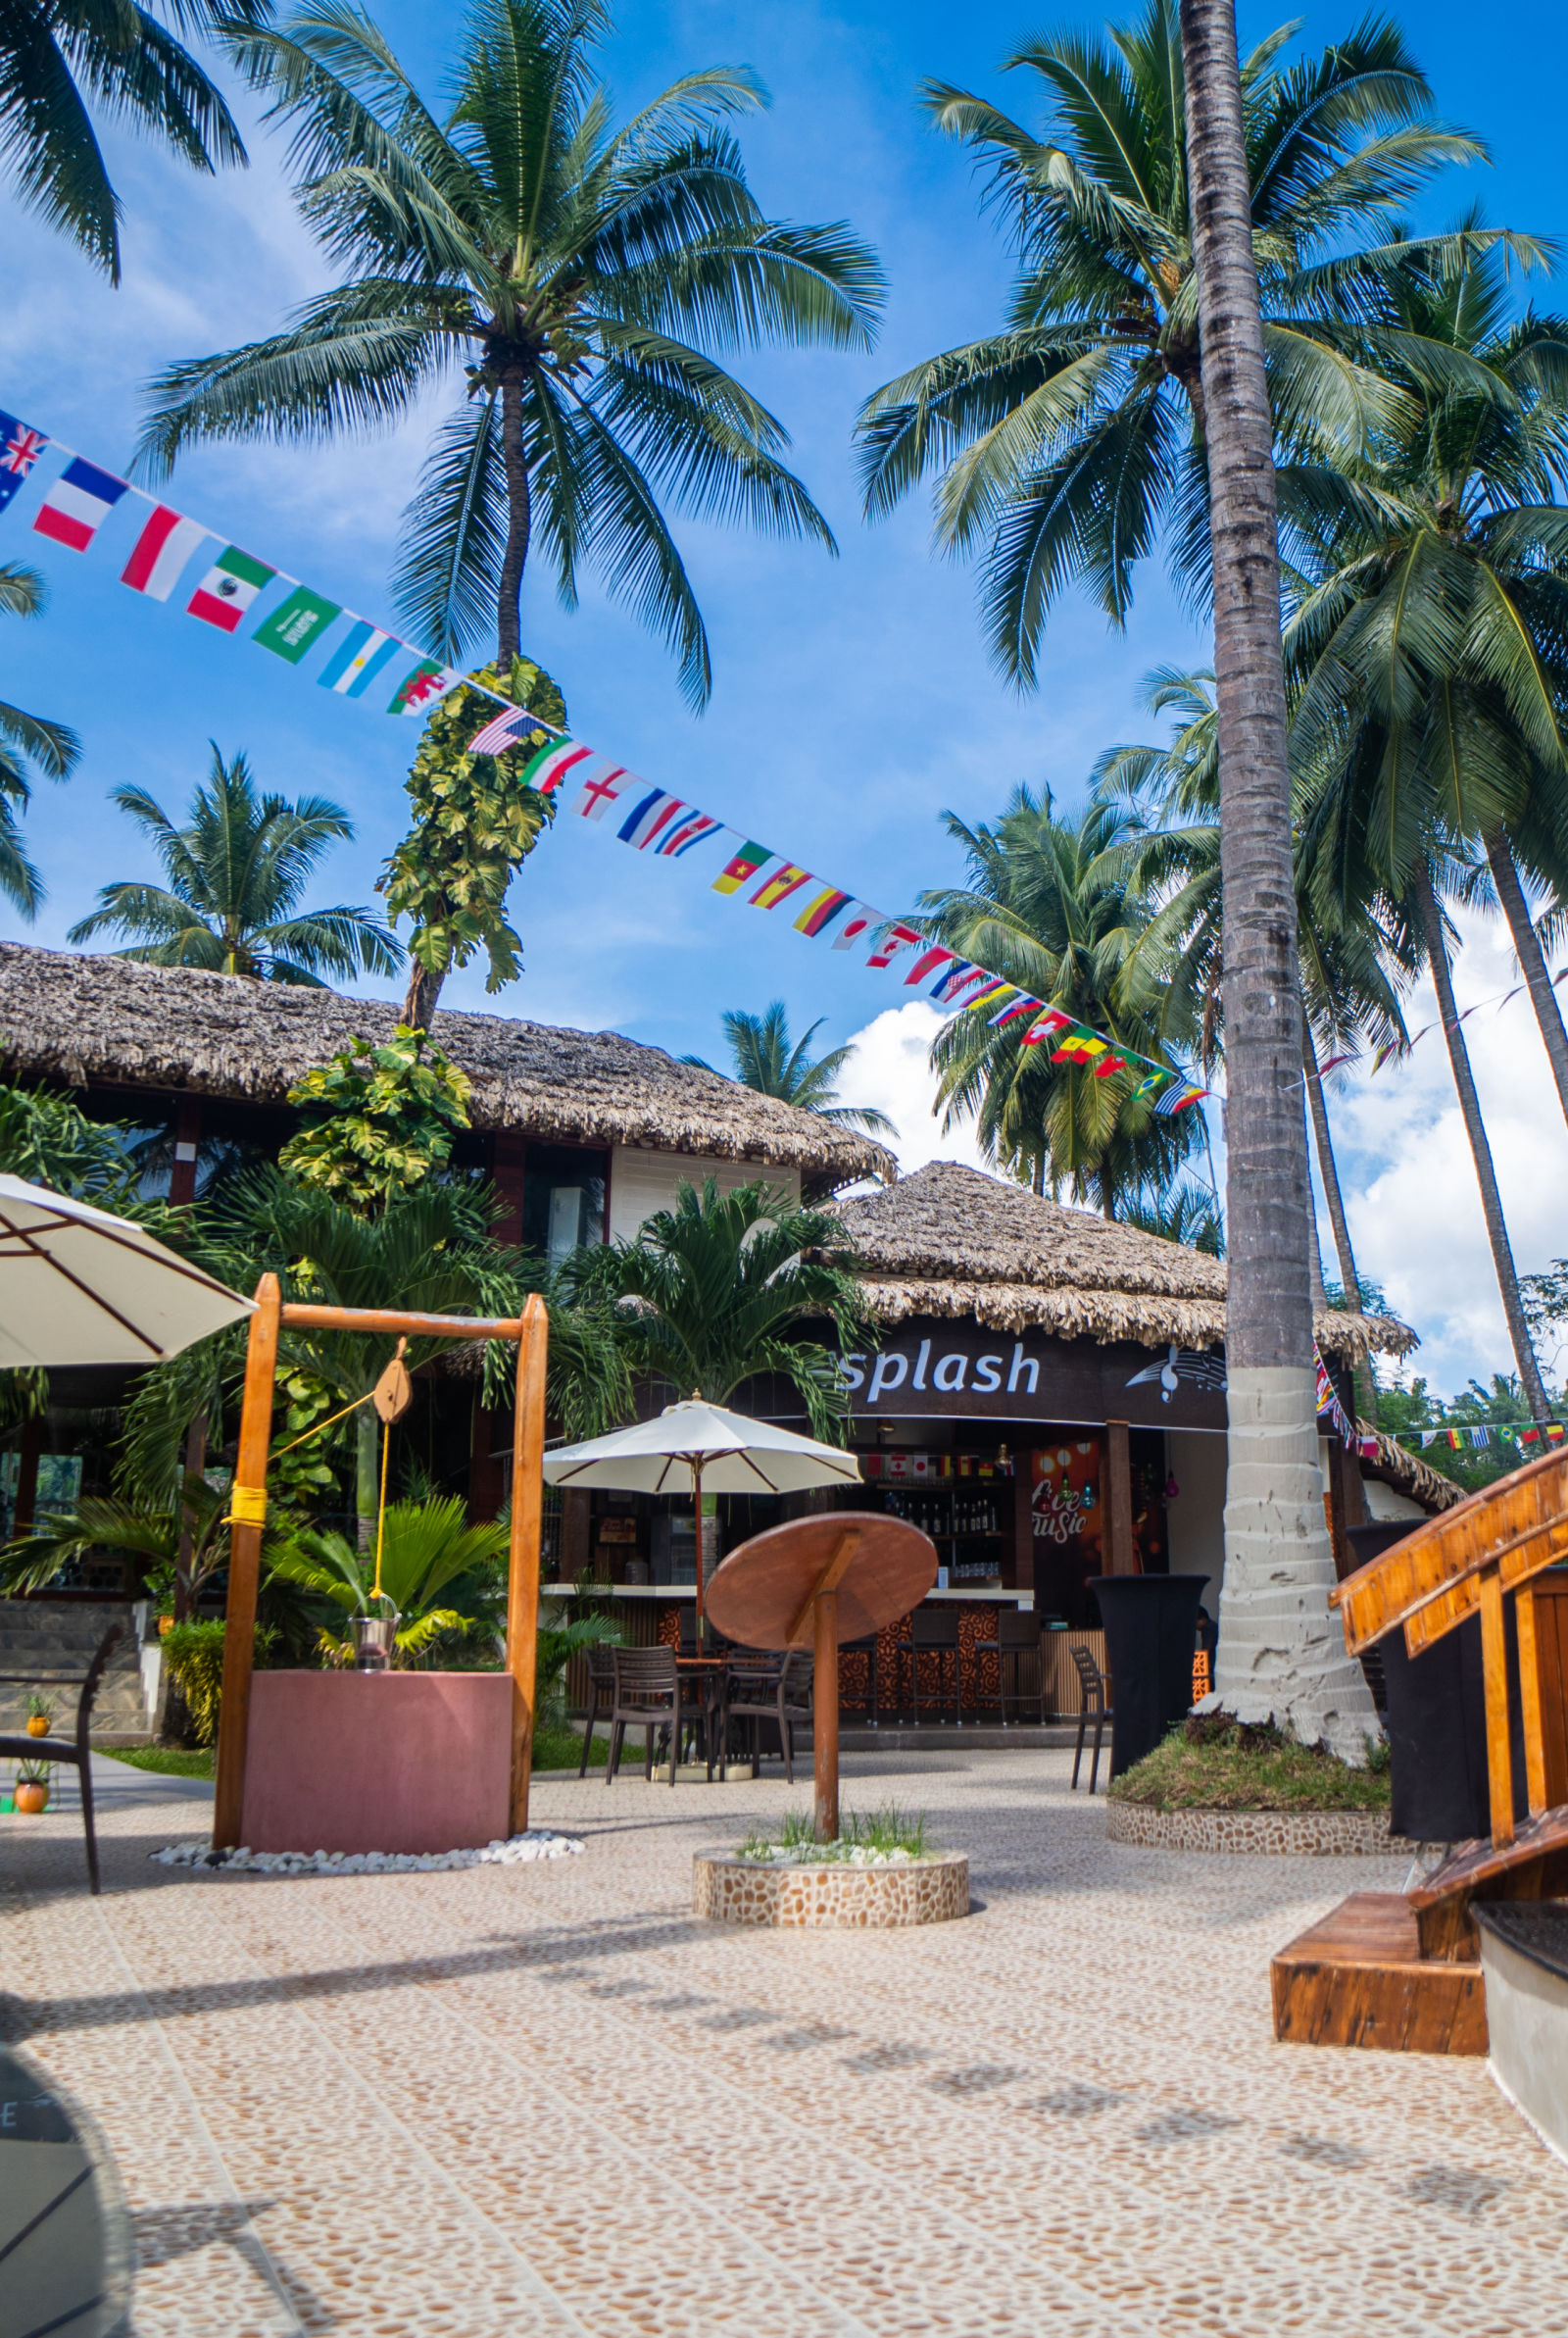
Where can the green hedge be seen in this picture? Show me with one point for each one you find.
(194, 1654)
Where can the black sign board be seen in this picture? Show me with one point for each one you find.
(936, 1368)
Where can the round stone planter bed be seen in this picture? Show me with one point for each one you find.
(831, 1893)
(1279, 1835)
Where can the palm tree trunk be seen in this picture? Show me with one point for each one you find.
(1366, 1387)
(1481, 1151)
(420, 998)
(1531, 960)
(1279, 1659)
(519, 520)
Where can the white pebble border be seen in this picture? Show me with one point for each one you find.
(518, 1851)
(825, 1855)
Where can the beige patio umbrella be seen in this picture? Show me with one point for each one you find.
(80, 1286)
(695, 1446)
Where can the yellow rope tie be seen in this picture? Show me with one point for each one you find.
(380, 1519)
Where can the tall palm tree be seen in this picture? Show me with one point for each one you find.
(234, 875)
(1277, 1655)
(1429, 649)
(560, 261)
(1068, 441)
(1047, 906)
(61, 59)
(764, 1059)
(716, 1290)
(24, 738)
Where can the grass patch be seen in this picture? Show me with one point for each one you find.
(1218, 1765)
(864, 1835)
(171, 1762)
(562, 1749)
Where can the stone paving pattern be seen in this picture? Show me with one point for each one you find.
(512, 2102)
(1308, 1834)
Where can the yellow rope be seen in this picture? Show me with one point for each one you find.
(381, 1519)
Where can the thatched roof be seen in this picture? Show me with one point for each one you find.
(103, 1018)
(1407, 1473)
(951, 1241)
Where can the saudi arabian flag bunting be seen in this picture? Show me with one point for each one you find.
(229, 586)
(295, 623)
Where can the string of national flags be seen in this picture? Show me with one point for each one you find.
(1473, 1438)
(229, 582)
(653, 819)
(1395, 1051)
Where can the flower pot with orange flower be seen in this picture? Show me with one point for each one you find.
(40, 1716)
(31, 1790)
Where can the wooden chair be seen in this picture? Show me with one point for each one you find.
(68, 1753)
(1092, 1682)
(933, 1631)
(647, 1696)
(1018, 1642)
(601, 1697)
(766, 1688)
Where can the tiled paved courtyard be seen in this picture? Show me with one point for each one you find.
(543, 2100)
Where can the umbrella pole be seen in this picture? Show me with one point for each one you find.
(697, 1497)
(825, 1717)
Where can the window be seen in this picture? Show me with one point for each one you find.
(562, 1199)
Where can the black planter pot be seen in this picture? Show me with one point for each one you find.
(1151, 1631)
(1437, 1718)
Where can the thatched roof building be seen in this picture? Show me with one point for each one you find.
(952, 1241)
(105, 1021)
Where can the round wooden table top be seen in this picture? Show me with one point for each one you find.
(880, 1568)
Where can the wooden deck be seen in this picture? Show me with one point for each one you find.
(1358, 1979)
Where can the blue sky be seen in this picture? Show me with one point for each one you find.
(853, 699)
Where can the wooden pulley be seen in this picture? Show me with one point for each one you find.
(394, 1390)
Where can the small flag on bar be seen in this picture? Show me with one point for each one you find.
(424, 686)
(854, 926)
(295, 623)
(694, 827)
(545, 770)
(504, 730)
(897, 938)
(649, 817)
(225, 594)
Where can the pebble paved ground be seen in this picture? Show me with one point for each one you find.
(544, 2099)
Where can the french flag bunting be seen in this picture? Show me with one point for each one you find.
(79, 503)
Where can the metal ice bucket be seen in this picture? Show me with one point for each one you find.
(373, 1637)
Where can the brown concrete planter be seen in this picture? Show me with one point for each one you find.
(747, 1891)
(1279, 1835)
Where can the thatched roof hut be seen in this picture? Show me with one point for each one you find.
(952, 1241)
(105, 1021)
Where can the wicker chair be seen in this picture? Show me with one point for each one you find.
(1092, 1681)
(70, 1752)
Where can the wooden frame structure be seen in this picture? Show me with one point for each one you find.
(1401, 1971)
(248, 1518)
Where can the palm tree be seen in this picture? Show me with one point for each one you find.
(764, 1059)
(428, 1554)
(234, 875)
(1189, 1214)
(1048, 906)
(1277, 1655)
(1068, 441)
(53, 747)
(558, 261)
(59, 58)
(1428, 653)
(718, 1289)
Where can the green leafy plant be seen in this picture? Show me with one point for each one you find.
(881, 1833)
(428, 1549)
(376, 1121)
(764, 1059)
(475, 824)
(39, 1708)
(149, 1538)
(34, 1772)
(1211, 1763)
(194, 1654)
(24, 739)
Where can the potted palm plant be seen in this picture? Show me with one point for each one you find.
(40, 1714)
(31, 1790)
(438, 1577)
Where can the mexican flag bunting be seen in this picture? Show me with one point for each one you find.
(225, 594)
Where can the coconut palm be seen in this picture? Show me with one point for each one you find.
(1065, 443)
(1277, 1655)
(61, 59)
(234, 875)
(764, 1059)
(445, 1578)
(1047, 906)
(23, 739)
(560, 261)
(1188, 1213)
(716, 1290)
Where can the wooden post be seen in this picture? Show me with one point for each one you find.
(1494, 1676)
(1524, 1613)
(247, 1514)
(1121, 1554)
(523, 1571)
(825, 1717)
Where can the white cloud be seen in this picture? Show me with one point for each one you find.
(891, 1072)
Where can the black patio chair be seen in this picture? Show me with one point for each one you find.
(1017, 1643)
(68, 1753)
(601, 1697)
(766, 1688)
(933, 1633)
(647, 1696)
(1092, 1682)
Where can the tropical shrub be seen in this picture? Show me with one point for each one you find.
(427, 1550)
(377, 1120)
(194, 1654)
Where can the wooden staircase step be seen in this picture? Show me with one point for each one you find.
(1357, 1978)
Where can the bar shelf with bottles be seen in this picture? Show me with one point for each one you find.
(968, 1521)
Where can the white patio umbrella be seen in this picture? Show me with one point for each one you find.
(694, 1445)
(80, 1286)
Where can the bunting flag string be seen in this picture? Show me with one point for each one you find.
(1328, 1402)
(80, 507)
(1501, 1432)
(593, 786)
